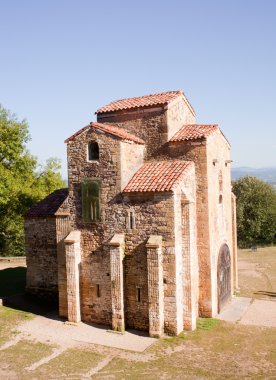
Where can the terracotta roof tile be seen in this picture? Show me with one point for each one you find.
(49, 205)
(111, 129)
(162, 98)
(194, 132)
(158, 176)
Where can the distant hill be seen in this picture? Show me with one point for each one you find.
(265, 174)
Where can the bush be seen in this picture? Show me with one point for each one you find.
(256, 212)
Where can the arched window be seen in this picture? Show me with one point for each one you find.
(220, 199)
(93, 151)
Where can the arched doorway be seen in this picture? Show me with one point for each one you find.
(224, 276)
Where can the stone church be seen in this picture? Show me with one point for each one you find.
(145, 235)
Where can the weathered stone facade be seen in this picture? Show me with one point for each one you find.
(148, 212)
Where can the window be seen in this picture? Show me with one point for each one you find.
(138, 294)
(220, 199)
(91, 201)
(98, 291)
(131, 220)
(93, 151)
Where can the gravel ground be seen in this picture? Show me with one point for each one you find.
(50, 329)
(249, 311)
(260, 313)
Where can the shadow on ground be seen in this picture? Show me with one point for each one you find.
(12, 291)
(265, 293)
(12, 281)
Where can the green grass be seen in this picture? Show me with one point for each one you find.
(206, 324)
(9, 319)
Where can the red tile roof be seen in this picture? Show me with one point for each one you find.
(158, 176)
(194, 132)
(162, 98)
(48, 206)
(112, 130)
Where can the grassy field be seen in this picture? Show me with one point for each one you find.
(216, 350)
(257, 273)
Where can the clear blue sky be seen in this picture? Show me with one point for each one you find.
(61, 60)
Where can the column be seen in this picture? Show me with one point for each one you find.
(234, 242)
(155, 286)
(117, 245)
(190, 268)
(73, 259)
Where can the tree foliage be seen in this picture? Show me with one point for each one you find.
(22, 181)
(256, 212)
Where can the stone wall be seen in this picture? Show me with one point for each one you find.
(148, 124)
(132, 158)
(220, 209)
(178, 113)
(196, 151)
(63, 227)
(95, 263)
(155, 125)
(41, 256)
(44, 247)
(95, 284)
(152, 213)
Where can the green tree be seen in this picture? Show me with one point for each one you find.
(22, 181)
(256, 212)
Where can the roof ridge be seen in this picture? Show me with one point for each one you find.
(112, 129)
(108, 128)
(153, 94)
(143, 101)
(200, 125)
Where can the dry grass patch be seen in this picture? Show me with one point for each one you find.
(71, 364)
(9, 319)
(216, 350)
(257, 273)
(22, 355)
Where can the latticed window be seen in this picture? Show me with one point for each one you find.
(91, 201)
(93, 151)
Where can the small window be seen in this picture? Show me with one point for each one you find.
(138, 294)
(93, 151)
(91, 201)
(98, 291)
(131, 220)
(220, 199)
